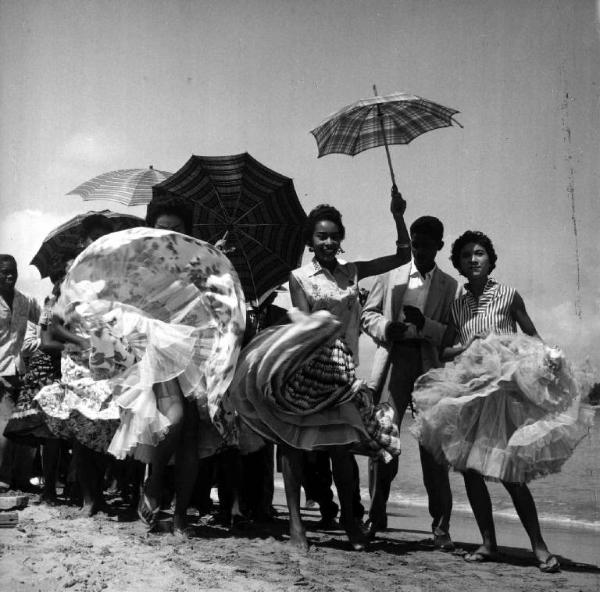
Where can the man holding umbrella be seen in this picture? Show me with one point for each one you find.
(406, 314)
(15, 310)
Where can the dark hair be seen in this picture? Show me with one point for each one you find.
(171, 205)
(473, 236)
(5, 257)
(96, 221)
(318, 214)
(57, 273)
(429, 226)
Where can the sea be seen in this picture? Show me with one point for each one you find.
(570, 498)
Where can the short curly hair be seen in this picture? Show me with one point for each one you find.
(477, 237)
(171, 205)
(318, 214)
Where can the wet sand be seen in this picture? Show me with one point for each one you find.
(54, 549)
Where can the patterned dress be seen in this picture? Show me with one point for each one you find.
(297, 384)
(27, 423)
(172, 307)
(508, 407)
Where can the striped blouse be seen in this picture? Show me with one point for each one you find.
(490, 314)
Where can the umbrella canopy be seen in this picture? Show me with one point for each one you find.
(64, 242)
(130, 187)
(254, 208)
(378, 121)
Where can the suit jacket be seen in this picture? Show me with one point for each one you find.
(384, 305)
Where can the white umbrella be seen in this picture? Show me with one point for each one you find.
(130, 187)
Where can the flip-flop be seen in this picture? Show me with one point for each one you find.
(147, 515)
(551, 565)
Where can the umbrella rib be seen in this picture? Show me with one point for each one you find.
(271, 252)
(255, 290)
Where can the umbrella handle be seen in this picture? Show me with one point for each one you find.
(385, 143)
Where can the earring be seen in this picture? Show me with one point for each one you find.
(340, 250)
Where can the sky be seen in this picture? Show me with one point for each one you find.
(90, 86)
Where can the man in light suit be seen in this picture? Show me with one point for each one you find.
(406, 314)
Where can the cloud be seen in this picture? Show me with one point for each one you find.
(91, 147)
(21, 234)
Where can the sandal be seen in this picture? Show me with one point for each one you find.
(147, 514)
(551, 565)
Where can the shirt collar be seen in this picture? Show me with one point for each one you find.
(489, 285)
(340, 267)
(414, 272)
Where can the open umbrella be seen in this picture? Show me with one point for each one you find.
(130, 187)
(64, 242)
(254, 208)
(379, 121)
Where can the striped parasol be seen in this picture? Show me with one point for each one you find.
(253, 208)
(379, 121)
(64, 242)
(130, 187)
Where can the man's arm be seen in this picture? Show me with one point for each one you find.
(372, 320)
(433, 330)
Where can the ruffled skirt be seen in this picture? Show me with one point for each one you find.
(79, 407)
(508, 408)
(27, 423)
(173, 302)
(296, 384)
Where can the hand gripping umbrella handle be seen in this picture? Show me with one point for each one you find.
(387, 150)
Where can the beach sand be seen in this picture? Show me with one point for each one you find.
(54, 549)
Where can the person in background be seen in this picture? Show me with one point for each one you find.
(16, 309)
(27, 425)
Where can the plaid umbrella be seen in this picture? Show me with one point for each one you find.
(130, 187)
(378, 121)
(64, 242)
(254, 208)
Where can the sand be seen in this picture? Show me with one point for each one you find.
(54, 549)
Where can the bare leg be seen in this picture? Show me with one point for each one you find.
(186, 464)
(525, 506)
(90, 466)
(480, 501)
(170, 403)
(291, 461)
(50, 456)
(343, 475)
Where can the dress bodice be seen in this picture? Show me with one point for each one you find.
(336, 292)
(491, 313)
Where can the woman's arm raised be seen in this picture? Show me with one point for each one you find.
(402, 256)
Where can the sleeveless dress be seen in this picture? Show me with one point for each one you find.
(508, 407)
(296, 384)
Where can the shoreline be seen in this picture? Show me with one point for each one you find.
(573, 543)
(56, 548)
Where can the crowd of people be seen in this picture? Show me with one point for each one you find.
(208, 391)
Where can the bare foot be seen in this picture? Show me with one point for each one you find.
(298, 539)
(481, 554)
(88, 509)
